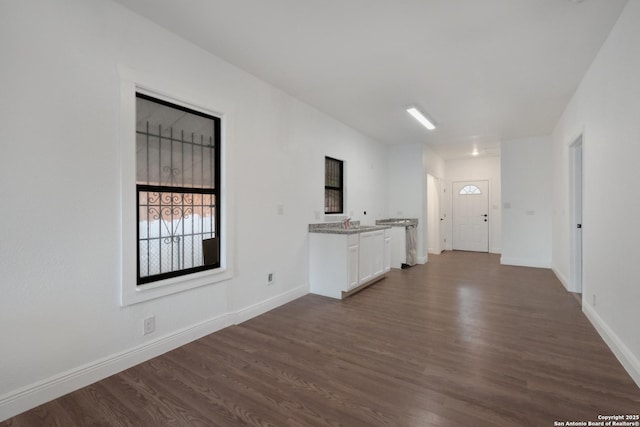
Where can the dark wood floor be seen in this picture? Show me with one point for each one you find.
(461, 341)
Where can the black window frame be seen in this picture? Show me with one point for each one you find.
(331, 165)
(215, 191)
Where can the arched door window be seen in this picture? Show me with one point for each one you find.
(469, 190)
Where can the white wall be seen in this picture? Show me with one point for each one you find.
(526, 202)
(605, 109)
(60, 252)
(407, 189)
(433, 164)
(409, 166)
(477, 169)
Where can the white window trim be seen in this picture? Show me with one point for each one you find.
(341, 215)
(130, 83)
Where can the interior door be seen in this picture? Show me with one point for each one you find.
(471, 216)
(576, 193)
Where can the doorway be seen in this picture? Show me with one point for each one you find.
(576, 203)
(471, 216)
(435, 217)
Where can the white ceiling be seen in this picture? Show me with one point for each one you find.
(485, 70)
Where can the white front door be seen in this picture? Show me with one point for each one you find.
(471, 216)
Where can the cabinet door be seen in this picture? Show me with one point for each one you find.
(352, 267)
(377, 253)
(366, 260)
(387, 253)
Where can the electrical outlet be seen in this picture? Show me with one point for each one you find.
(271, 277)
(149, 325)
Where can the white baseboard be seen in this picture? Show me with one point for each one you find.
(560, 277)
(261, 307)
(526, 262)
(495, 251)
(25, 398)
(626, 357)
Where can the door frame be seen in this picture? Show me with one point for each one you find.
(576, 214)
(435, 233)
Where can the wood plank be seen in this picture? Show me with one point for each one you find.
(462, 340)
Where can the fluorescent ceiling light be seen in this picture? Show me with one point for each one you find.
(419, 116)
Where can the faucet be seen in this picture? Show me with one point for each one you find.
(346, 223)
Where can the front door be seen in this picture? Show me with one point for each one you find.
(471, 216)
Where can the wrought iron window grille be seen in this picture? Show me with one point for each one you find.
(178, 181)
(333, 186)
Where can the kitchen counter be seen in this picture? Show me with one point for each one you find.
(336, 228)
(345, 261)
(397, 222)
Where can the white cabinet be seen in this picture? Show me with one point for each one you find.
(366, 257)
(342, 262)
(387, 250)
(333, 263)
(353, 264)
(371, 255)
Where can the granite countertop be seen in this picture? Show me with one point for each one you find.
(336, 228)
(397, 222)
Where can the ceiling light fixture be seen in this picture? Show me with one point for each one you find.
(421, 117)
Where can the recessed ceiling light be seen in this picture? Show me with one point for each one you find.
(421, 117)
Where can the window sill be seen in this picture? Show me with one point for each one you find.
(141, 293)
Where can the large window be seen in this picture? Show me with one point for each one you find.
(333, 186)
(177, 187)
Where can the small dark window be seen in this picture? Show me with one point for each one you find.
(333, 186)
(178, 190)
